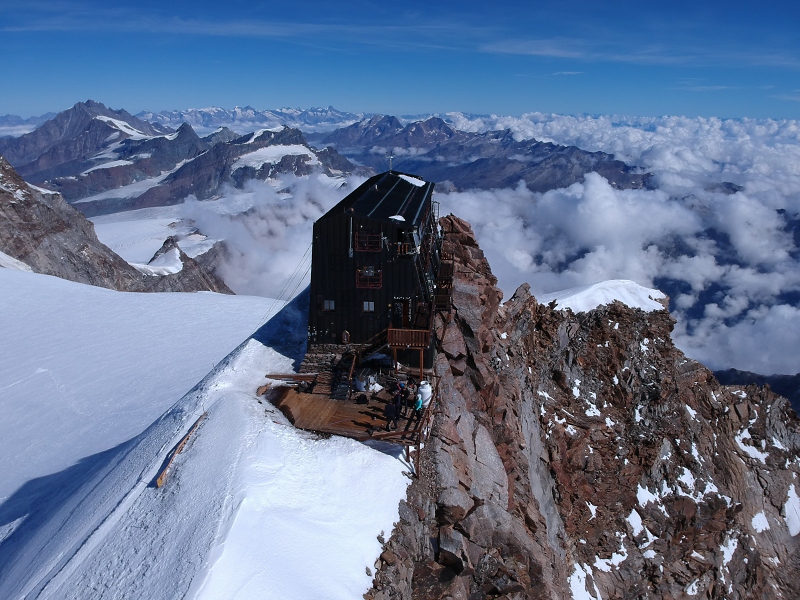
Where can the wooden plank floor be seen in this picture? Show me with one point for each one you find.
(316, 412)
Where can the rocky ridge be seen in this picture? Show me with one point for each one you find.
(584, 456)
(38, 228)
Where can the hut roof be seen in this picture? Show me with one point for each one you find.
(387, 195)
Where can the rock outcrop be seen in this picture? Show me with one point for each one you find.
(584, 456)
(40, 229)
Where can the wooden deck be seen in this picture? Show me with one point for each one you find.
(320, 413)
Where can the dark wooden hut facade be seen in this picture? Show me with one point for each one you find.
(375, 265)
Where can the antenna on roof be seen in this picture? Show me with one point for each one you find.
(390, 156)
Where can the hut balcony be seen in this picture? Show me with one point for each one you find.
(417, 339)
(369, 279)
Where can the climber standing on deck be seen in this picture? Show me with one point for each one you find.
(390, 412)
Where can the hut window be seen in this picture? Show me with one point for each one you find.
(369, 307)
(328, 305)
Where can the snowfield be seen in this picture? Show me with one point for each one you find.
(252, 507)
(83, 368)
(272, 155)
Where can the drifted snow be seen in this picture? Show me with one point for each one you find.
(635, 521)
(577, 584)
(167, 263)
(586, 298)
(299, 531)
(751, 451)
(760, 522)
(108, 165)
(272, 155)
(412, 180)
(791, 511)
(134, 134)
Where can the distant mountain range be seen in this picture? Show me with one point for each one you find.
(462, 160)
(105, 160)
(246, 119)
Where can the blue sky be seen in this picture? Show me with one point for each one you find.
(732, 59)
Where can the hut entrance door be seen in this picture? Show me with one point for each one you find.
(401, 317)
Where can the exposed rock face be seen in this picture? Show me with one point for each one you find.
(40, 229)
(585, 456)
(494, 159)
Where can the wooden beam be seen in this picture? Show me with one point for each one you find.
(162, 476)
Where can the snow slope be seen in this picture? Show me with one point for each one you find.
(83, 368)
(589, 297)
(252, 508)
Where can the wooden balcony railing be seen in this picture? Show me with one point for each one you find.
(408, 338)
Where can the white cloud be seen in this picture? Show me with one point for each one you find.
(267, 232)
(722, 250)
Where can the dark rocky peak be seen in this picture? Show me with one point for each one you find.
(285, 136)
(374, 130)
(166, 150)
(223, 134)
(62, 145)
(584, 456)
(426, 134)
